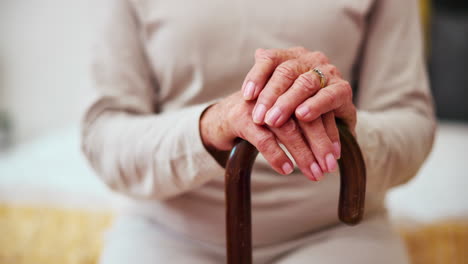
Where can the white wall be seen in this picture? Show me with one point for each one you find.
(44, 62)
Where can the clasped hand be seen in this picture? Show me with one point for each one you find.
(282, 101)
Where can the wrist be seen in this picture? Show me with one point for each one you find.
(206, 124)
(209, 127)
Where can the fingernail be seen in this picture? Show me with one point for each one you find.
(303, 111)
(316, 171)
(331, 162)
(272, 116)
(259, 113)
(312, 177)
(287, 168)
(249, 90)
(337, 148)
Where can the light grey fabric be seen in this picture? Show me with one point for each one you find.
(137, 239)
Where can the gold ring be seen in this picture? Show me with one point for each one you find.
(323, 78)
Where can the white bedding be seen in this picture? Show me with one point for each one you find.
(52, 171)
(440, 190)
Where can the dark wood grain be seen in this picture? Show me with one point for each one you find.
(238, 204)
(352, 178)
(238, 211)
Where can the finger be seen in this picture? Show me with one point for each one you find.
(266, 62)
(306, 85)
(291, 137)
(325, 100)
(320, 144)
(283, 77)
(265, 142)
(329, 123)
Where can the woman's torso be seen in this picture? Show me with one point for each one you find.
(200, 51)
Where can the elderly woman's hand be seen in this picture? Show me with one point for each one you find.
(231, 118)
(283, 83)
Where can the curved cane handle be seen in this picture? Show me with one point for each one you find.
(352, 178)
(238, 204)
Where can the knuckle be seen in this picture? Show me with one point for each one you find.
(347, 89)
(332, 69)
(320, 56)
(305, 158)
(323, 145)
(290, 127)
(307, 82)
(299, 50)
(258, 52)
(302, 153)
(268, 96)
(264, 142)
(329, 96)
(266, 55)
(286, 71)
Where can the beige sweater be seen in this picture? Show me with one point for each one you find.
(161, 63)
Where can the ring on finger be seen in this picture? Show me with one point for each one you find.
(323, 78)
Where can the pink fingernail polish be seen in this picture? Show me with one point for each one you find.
(249, 90)
(272, 116)
(312, 177)
(303, 111)
(337, 149)
(287, 168)
(331, 162)
(315, 168)
(259, 113)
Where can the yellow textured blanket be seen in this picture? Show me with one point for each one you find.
(44, 235)
(50, 236)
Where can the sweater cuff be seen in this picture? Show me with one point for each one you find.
(206, 164)
(368, 138)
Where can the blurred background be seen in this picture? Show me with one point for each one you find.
(54, 210)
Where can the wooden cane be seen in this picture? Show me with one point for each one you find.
(238, 205)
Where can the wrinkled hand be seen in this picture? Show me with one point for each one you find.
(283, 84)
(231, 118)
